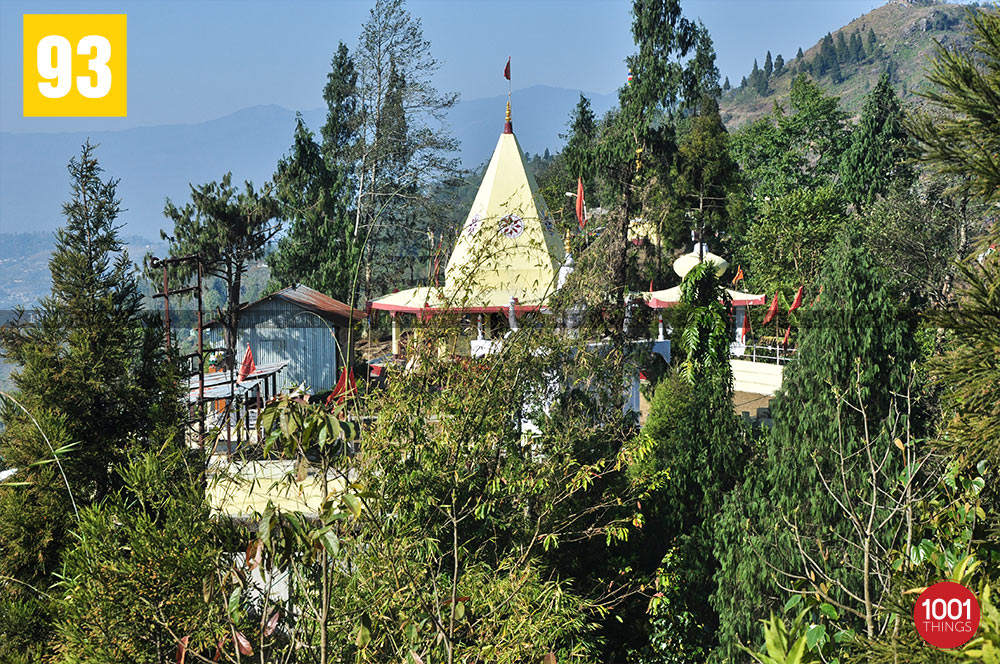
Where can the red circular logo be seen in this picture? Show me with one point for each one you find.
(946, 614)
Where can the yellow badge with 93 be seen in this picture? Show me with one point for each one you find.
(74, 65)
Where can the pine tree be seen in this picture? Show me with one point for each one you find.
(855, 345)
(725, 84)
(856, 47)
(581, 141)
(779, 64)
(340, 129)
(229, 230)
(872, 44)
(92, 374)
(743, 82)
(961, 139)
(843, 50)
(318, 250)
(768, 65)
(798, 54)
(827, 55)
(696, 458)
(313, 189)
(876, 159)
(701, 75)
(836, 75)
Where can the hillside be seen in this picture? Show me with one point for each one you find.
(906, 32)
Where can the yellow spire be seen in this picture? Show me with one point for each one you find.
(509, 244)
(508, 128)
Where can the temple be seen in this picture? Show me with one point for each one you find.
(507, 257)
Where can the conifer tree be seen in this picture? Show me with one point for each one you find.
(229, 230)
(314, 184)
(696, 457)
(880, 145)
(843, 51)
(581, 141)
(857, 49)
(827, 58)
(960, 135)
(779, 64)
(726, 85)
(319, 249)
(836, 75)
(858, 346)
(743, 82)
(768, 65)
(93, 383)
(798, 54)
(872, 45)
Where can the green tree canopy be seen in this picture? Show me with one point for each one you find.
(877, 157)
(229, 230)
(92, 383)
(857, 348)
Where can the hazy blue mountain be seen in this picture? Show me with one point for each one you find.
(156, 162)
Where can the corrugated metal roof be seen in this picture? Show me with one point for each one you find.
(312, 299)
(333, 310)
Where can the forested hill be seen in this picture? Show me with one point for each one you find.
(848, 61)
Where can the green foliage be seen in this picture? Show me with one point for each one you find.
(92, 381)
(959, 136)
(695, 456)
(229, 230)
(784, 247)
(319, 249)
(840, 397)
(784, 644)
(704, 174)
(784, 152)
(876, 159)
(135, 579)
(920, 234)
(315, 185)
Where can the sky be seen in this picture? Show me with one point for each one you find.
(191, 61)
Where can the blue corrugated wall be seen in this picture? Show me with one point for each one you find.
(278, 330)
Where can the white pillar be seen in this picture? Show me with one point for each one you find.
(395, 334)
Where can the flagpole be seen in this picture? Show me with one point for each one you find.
(509, 84)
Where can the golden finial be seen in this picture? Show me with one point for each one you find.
(507, 119)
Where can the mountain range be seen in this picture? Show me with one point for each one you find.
(907, 34)
(159, 162)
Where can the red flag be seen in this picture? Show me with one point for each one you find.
(579, 203)
(346, 387)
(739, 276)
(797, 302)
(247, 367)
(506, 70)
(746, 326)
(772, 310)
(784, 342)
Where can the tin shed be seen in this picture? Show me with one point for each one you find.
(301, 325)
